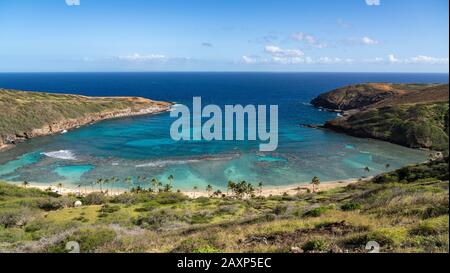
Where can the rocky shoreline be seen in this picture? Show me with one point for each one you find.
(62, 126)
(411, 115)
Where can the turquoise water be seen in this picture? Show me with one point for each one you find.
(73, 173)
(142, 146)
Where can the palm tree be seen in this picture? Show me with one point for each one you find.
(114, 179)
(106, 182)
(128, 181)
(367, 169)
(167, 188)
(231, 186)
(387, 166)
(260, 186)
(143, 180)
(154, 183)
(59, 186)
(79, 189)
(170, 178)
(195, 190)
(99, 182)
(242, 189)
(209, 189)
(25, 184)
(315, 182)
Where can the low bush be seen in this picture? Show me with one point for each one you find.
(316, 212)
(95, 198)
(351, 206)
(109, 208)
(165, 198)
(14, 217)
(53, 203)
(89, 239)
(429, 227)
(316, 245)
(159, 219)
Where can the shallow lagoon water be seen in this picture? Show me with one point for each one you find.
(142, 146)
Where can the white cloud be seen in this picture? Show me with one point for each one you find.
(88, 59)
(368, 41)
(376, 60)
(335, 60)
(300, 36)
(373, 2)
(392, 59)
(283, 53)
(307, 38)
(249, 60)
(136, 57)
(296, 60)
(365, 41)
(421, 59)
(284, 60)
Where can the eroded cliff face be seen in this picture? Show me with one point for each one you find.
(19, 106)
(62, 125)
(379, 94)
(412, 115)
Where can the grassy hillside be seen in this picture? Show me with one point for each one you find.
(404, 211)
(359, 96)
(411, 125)
(22, 112)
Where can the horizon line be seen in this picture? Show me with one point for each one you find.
(225, 71)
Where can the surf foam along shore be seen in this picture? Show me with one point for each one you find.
(61, 154)
(27, 114)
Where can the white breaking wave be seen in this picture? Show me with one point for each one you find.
(61, 154)
(163, 163)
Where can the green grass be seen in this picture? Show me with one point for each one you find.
(24, 111)
(402, 215)
(411, 125)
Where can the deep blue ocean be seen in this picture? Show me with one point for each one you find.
(141, 146)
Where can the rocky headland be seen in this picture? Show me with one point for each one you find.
(26, 114)
(412, 115)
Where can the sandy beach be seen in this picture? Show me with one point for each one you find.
(266, 191)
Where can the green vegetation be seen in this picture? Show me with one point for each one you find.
(406, 210)
(376, 95)
(24, 111)
(411, 125)
(412, 115)
(431, 171)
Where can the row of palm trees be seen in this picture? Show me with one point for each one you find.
(239, 189)
(107, 185)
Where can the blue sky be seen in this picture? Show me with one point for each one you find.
(224, 35)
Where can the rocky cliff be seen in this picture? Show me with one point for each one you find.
(412, 115)
(380, 94)
(410, 125)
(26, 115)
